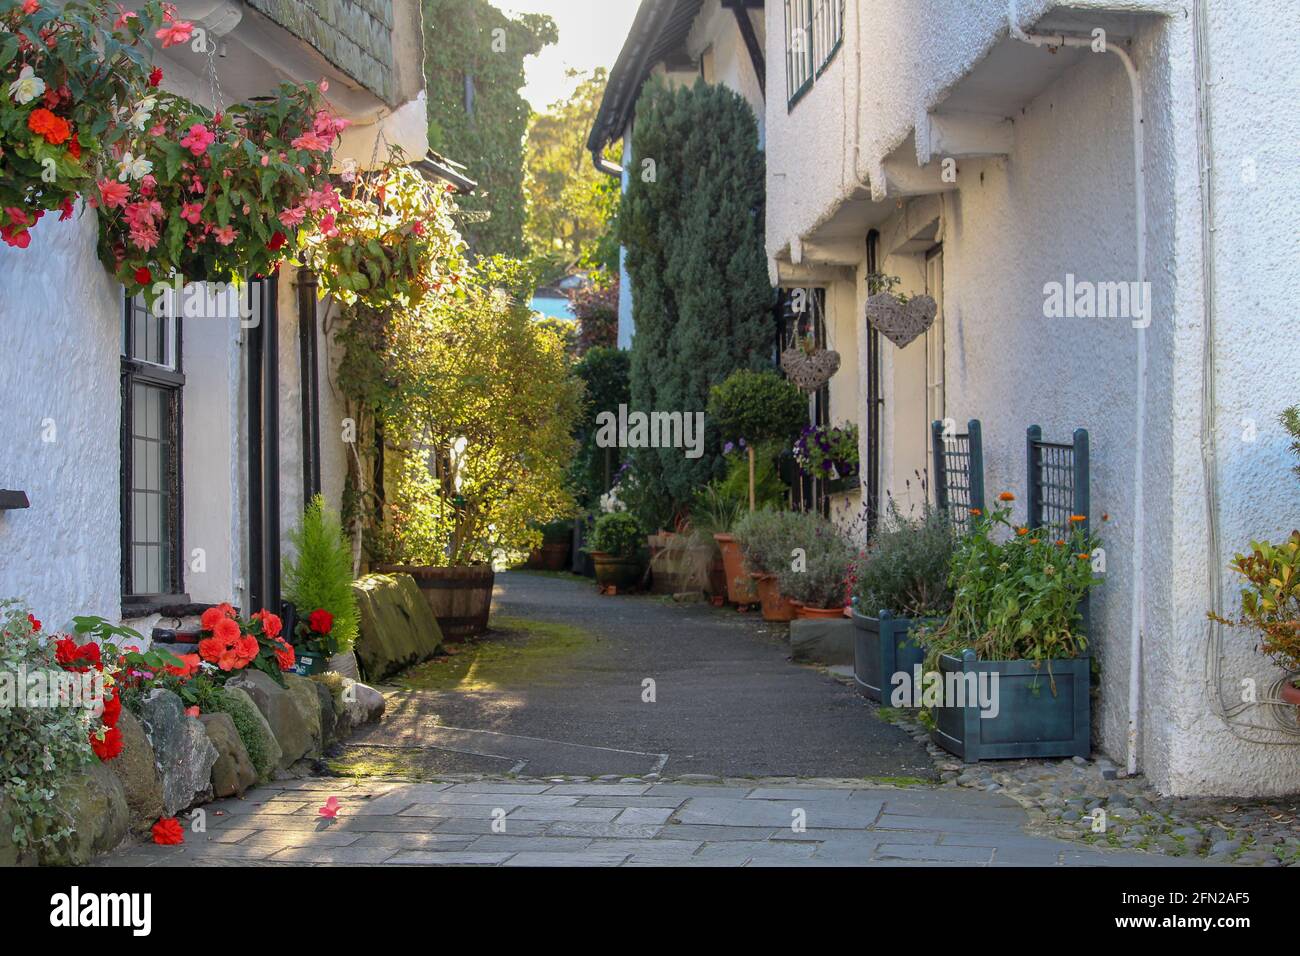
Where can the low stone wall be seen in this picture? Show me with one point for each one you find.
(171, 762)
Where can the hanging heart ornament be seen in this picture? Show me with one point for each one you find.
(899, 322)
(810, 370)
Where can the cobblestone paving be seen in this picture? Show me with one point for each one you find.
(1064, 797)
(688, 821)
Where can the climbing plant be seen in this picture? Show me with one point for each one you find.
(474, 69)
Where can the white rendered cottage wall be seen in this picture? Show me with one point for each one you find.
(1256, 251)
(1063, 202)
(60, 413)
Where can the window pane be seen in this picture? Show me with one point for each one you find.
(151, 525)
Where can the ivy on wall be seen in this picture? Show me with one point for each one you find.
(474, 69)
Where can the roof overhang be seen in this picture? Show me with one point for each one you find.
(658, 32)
(253, 54)
(972, 119)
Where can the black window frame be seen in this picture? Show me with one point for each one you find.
(136, 371)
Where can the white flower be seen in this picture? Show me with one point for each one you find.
(140, 117)
(133, 167)
(27, 87)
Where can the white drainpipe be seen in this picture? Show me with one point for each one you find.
(1140, 386)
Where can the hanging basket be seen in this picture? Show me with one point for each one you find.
(900, 322)
(809, 371)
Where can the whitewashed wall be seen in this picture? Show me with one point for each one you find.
(60, 414)
(1063, 201)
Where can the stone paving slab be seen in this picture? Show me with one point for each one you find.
(591, 824)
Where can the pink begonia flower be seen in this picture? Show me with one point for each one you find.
(123, 15)
(293, 216)
(191, 212)
(157, 130)
(323, 85)
(30, 6)
(198, 139)
(327, 227)
(266, 160)
(113, 193)
(312, 141)
(224, 234)
(175, 33)
(331, 808)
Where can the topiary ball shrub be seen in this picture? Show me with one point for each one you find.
(758, 407)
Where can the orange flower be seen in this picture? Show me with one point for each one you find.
(284, 654)
(1033, 541)
(1022, 531)
(1006, 496)
(976, 512)
(226, 630)
(1083, 556)
(55, 129)
(1078, 518)
(1060, 542)
(214, 614)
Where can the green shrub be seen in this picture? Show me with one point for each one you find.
(758, 407)
(250, 727)
(320, 576)
(766, 538)
(604, 372)
(906, 567)
(617, 534)
(817, 576)
(769, 490)
(701, 297)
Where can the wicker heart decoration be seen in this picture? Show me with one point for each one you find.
(810, 370)
(900, 323)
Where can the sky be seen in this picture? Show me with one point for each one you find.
(591, 34)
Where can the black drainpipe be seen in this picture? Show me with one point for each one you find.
(308, 363)
(256, 585)
(271, 443)
(874, 401)
(264, 452)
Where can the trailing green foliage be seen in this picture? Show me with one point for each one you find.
(474, 69)
(769, 490)
(40, 747)
(692, 224)
(320, 574)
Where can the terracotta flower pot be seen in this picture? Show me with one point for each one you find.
(823, 613)
(1291, 693)
(740, 588)
(776, 606)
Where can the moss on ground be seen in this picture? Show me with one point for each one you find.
(515, 651)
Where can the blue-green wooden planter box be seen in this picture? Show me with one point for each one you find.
(306, 663)
(1031, 720)
(882, 648)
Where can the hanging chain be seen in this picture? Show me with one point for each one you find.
(214, 81)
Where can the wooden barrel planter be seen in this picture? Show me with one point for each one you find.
(621, 573)
(459, 597)
(807, 612)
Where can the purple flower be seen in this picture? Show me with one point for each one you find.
(728, 448)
